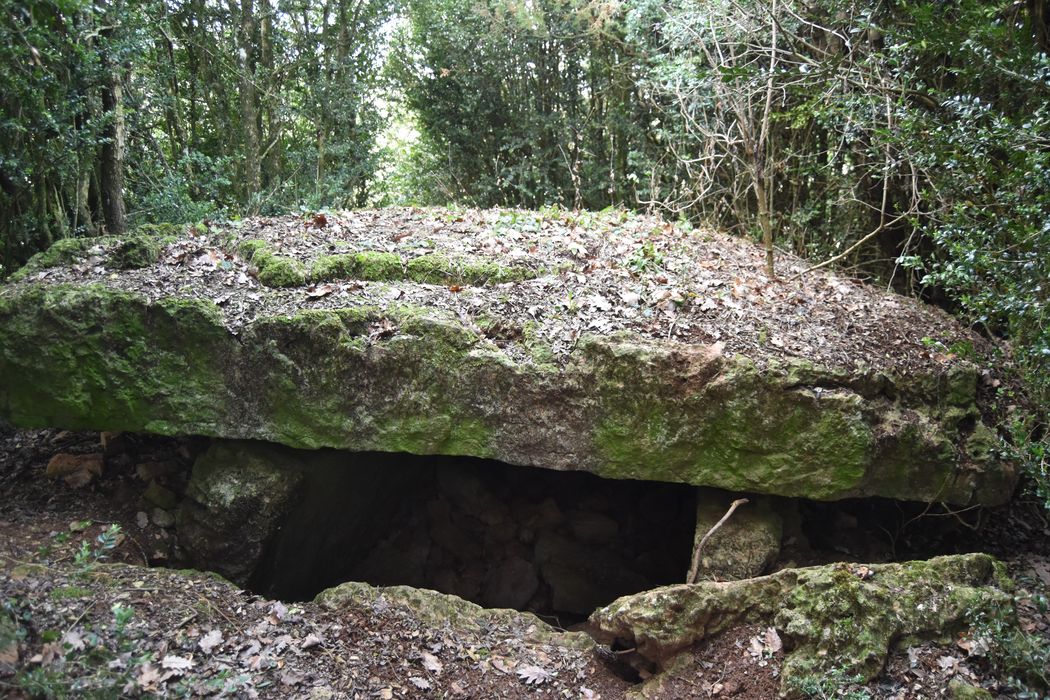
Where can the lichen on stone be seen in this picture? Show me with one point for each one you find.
(838, 616)
(442, 610)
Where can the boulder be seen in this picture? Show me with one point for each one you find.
(511, 584)
(469, 346)
(236, 498)
(838, 616)
(745, 545)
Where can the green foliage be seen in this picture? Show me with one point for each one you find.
(48, 120)
(519, 104)
(1020, 659)
(107, 540)
(836, 684)
(306, 84)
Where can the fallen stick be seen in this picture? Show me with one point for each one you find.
(694, 568)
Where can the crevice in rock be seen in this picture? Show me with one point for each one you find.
(559, 544)
(289, 523)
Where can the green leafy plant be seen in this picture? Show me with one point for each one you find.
(835, 684)
(1020, 659)
(645, 258)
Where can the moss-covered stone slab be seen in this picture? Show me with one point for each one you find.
(444, 611)
(488, 359)
(844, 617)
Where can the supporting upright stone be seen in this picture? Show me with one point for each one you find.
(744, 545)
(237, 496)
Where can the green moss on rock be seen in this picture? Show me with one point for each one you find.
(376, 266)
(418, 380)
(237, 495)
(139, 248)
(840, 616)
(135, 252)
(274, 270)
(435, 268)
(92, 357)
(441, 610)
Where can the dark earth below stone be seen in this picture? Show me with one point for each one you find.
(613, 344)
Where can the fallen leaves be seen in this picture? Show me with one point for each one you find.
(176, 663)
(316, 291)
(533, 675)
(432, 664)
(209, 641)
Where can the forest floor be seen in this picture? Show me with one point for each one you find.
(101, 613)
(580, 273)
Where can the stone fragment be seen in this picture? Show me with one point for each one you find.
(148, 471)
(745, 545)
(160, 496)
(582, 577)
(439, 610)
(162, 518)
(237, 495)
(63, 464)
(961, 690)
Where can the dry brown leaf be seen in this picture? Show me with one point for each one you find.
(208, 642)
(431, 663)
(533, 675)
(318, 291)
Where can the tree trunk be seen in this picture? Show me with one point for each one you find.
(112, 161)
(83, 209)
(249, 103)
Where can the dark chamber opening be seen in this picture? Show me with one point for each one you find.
(560, 544)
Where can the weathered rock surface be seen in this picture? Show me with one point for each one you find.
(745, 545)
(235, 502)
(617, 346)
(445, 611)
(838, 616)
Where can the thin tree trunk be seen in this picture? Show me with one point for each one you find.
(249, 103)
(83, 209)
(112, 161)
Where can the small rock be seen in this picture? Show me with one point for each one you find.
(160, 497)
(162, 518)
(510, 585)
(745, 545)
(113, 442)
(961, 690)
(63, 464)
(141, 519)
(148, 471)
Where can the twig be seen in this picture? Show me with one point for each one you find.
(81, 617)
(881, 227)
(694, 568)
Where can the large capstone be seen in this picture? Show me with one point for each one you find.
(620, 347)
